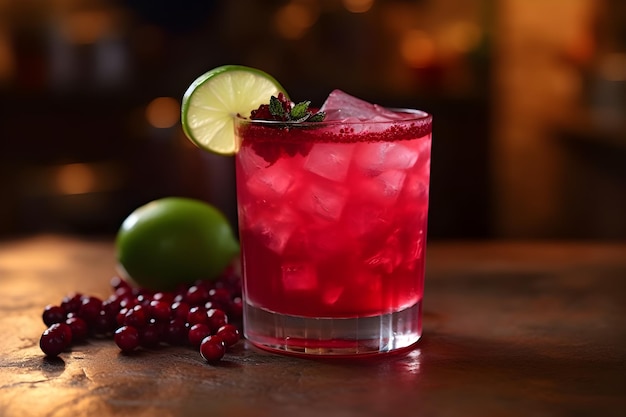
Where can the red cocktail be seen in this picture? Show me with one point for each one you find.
(332, 220)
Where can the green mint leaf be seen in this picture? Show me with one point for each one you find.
(300, 110)
(317, 117)
(276, 107)
(304, 118)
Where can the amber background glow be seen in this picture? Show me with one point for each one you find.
(529, 99)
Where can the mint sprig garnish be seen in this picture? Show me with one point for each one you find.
(277, 109)
(287, 113)
(282, 109)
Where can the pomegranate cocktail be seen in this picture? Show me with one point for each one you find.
(332, 223)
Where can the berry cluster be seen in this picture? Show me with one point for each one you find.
(264, 112)
(282, 109)
(205, 315)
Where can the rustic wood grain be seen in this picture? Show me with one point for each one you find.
(511, 329)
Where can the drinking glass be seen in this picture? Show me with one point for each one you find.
(332, 221)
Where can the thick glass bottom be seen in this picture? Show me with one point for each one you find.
(333, 336)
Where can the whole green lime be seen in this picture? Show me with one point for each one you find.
(173, 241)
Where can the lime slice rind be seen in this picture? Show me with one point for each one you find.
(214, 99)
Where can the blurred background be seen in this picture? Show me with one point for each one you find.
(528, 97)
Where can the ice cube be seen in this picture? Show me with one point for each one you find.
(273, 227)
(391, 182)
(299, 277)
(330, 160)
(386, 260)
(367, 219)
(383, 188)
(416, 188)
(342, 106)
(250, 161)
(323, 200)
(377, 157)
(271, 181)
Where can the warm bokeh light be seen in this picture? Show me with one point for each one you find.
(460, 37)
(613, 67)
(75, 179)
(163, 112)
(87, 26)
(358, 6)
(417, 48)
(294, 19)
(7, 57)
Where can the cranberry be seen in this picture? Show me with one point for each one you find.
(196, 295)
(229, 334)
(196, 315)
(220, 297)
(71, 303)
(159, 310)
(104, 323)
(55, 339)
(111, 305)
(117, 282)
(235, 309)
(197, 333)
(127, 338)
(120, 317)
(217, 318)
(212, 348)
(128, 301)
(124, 292)
(166, 297)
(151, 335)
(177, 332)
(136, 317)
(53, 314)
(193, 315)
(180, 309)
(78, 327)
(90, 309)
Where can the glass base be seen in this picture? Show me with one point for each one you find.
(333, 336)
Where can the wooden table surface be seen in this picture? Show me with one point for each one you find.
(511, 329)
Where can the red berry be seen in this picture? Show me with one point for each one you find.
(159, 310)
(180, 309)
(220, 297)
(111, 305)
(127, 338)
(235, 309)
(212, 348)
(55, 339)
(136, 317)
(78, 327)
(196, 315)
(118, 282)
(167, 297)
(176, 332)
(53, 314)
(151, 335)
(104, 323)
(196, 295)
(217, 318)
(120, 317)
(229, 334)
(197, 333)
(90, 309)
(71, 303)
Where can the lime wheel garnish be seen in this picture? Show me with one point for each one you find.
(214, 99)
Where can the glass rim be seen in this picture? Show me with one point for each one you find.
(420, 116)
